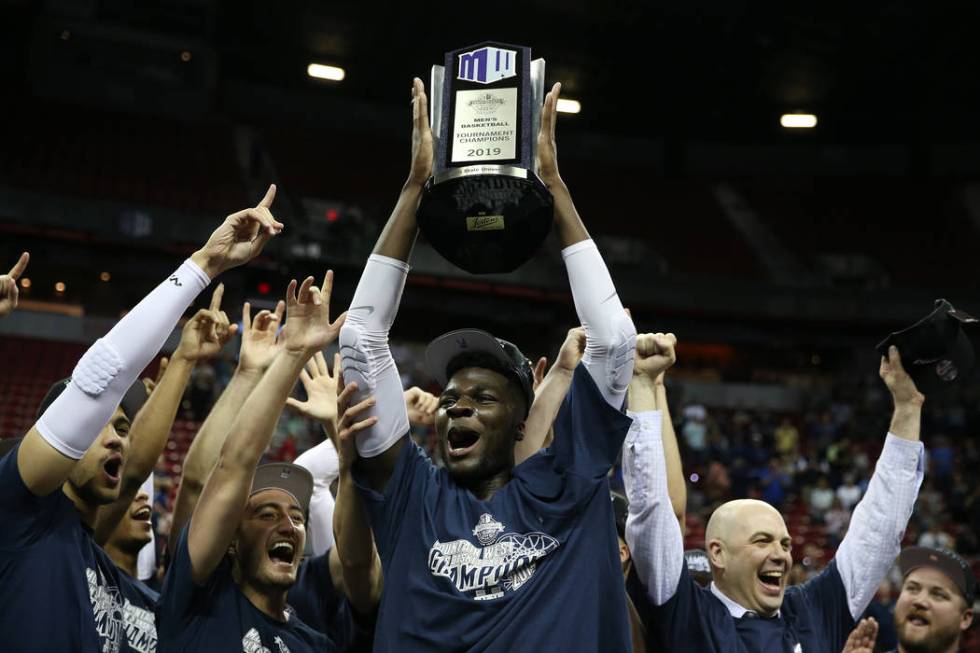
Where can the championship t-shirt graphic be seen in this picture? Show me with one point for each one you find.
(504, 562)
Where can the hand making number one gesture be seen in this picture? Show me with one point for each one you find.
(9, 292)
(240, 238)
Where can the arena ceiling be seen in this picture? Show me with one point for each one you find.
(889, 72)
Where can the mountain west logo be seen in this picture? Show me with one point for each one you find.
(504, 563)
(107, 608)
(487, 65)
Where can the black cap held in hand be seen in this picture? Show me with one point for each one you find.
(935, 351)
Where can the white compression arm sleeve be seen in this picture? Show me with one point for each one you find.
(366, 357)
(323, 463)
(610, 337)
(104, 373)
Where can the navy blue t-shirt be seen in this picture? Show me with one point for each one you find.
(535, 568)
(318, 604)
(139, 613)
(217, 617)
(59, 591)
(814, 618)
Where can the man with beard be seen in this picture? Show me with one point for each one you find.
(61, 592)
(471, 550)
(234, 564)
(935, 606)
(748, 607)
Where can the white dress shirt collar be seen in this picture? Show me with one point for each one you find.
(735, 609)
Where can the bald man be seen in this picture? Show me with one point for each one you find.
(747, 607)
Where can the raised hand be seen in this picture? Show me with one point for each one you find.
(862, 638)
(240, 238)
(654, 355)
(538, 372)
(207, 332)
(349, 426)
(899, 383)
(308, 326)
(259, 338)
(421, 406)
(421, 168)
(547, 153)
(9, 293)
(572, 350)
(151, 384)
(321, 391)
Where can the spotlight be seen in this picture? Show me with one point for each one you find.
(59, 287)
(25, 283)
(798, 120)
(105, 276)
(568, 106)
(323, 71)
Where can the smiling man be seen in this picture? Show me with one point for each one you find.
(234, 563)
(472, 550)
(748, 607)
(935, 606)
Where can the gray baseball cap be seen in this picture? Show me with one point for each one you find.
(292, 479)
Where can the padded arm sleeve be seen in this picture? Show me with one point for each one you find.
(323, 463)
(366, 357)
(104, 373)
(610, 343)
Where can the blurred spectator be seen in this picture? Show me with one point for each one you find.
(836, 521)
(935, 538)
(849, 493)
(787, 437)
(821, 498)
(695, 431)
(775, 482)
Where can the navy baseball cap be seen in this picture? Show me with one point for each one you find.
(936, 351)
(131, 402)
(956, 568)
(508, 359)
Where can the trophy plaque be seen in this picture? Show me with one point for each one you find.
(484, 209)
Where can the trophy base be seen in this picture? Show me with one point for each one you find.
(486, 223)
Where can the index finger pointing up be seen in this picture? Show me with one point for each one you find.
(19, 266)
(270, 195)
(219, 292)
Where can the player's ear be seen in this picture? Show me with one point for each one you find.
(519, 431)
(966, 620)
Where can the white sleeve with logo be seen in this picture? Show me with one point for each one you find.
(874, 537)
(610, 337)
(366, 357)
(653, 534)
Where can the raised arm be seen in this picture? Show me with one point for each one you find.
(355, 547)
(367, 360)
(321, 404)
(100, 379)
(258, 349)
(653, 533)
(202, 337)
(610, 334)
(549, 395)
(218, 513)
(874, 537)
(647, 383)
(9, 293)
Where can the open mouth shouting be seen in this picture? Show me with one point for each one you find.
(282, 553)
(772, 581)
(112, 469)
(461, 441)
(918, 620)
